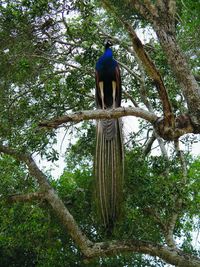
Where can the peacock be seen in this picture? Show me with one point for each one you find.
(109, 157)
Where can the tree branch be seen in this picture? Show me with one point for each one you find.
(145, 100)
(149, 144)
(182, 160)
(177, 199)
(171, 224)
(27, 197)
(149, 67)
(182, 123)
(128, 96)
(165, 30)
(99, 114)
(153, 73)
(164, 25)
(99, 249)
(175, 257)
(135, 75)
(156, 217)
(51, 196)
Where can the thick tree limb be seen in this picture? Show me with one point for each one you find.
(145, 100)
(182, 72)
(99, 114)
(164, 26)
(51, 196)
(182, 126)
(153, 73)
(27, 197)
(175, 257)
(182, 122)
(148, 64)
(99, 249)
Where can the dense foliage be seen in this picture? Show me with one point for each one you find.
(48, 51)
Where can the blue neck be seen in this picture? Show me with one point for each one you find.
(108, 53)
(106, 60)
(106, 57)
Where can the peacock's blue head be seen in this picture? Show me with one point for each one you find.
(108, 44)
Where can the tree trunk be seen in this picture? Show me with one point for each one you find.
(185, 78)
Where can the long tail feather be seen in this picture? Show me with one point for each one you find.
(109, 170)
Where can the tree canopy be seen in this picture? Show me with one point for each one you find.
(48, 51)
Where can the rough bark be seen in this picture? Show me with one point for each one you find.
(99, 114)
(154, 74)
(182, 123)
(169, 255)
(182, 126)
(162, 18)
(182, 73)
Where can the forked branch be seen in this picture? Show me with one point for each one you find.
(98, 249)
(182, 123)
(148, 64)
